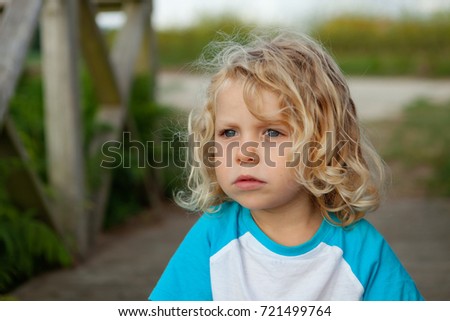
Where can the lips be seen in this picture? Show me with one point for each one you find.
(246, 182)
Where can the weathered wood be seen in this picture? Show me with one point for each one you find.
(127, 45)
(112, 5)
(16, 31)
(59, 35)
(96, 55)
(24, 186)
(68, 211)
(111, 111)
(147, 62)
(153, 54)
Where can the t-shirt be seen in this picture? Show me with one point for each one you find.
(226, 256)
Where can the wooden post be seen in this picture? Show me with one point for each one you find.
(62, 119)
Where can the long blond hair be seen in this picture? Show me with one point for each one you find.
(316, 102)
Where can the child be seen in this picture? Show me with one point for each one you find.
(285, 177)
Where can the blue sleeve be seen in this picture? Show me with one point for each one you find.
(377, 267)
(389, 281)
(187, 276)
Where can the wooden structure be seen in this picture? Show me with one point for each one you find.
(67, 27)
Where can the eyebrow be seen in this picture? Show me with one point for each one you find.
(261, 123)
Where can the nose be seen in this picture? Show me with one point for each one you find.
(247, 154)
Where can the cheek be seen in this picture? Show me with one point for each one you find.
(221, 171)
(282, 155)
(222, 176)
(285, 173)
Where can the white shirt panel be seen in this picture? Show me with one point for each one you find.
(246, 270)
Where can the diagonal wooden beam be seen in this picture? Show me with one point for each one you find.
(128, 43)
(112, 109)
(17, 28)
(96, 56)
(24, 186)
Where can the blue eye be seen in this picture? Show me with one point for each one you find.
(272, 133)
(229, 133)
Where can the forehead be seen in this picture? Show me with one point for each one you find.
(239, 96)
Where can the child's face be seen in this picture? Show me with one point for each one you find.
(252, 155)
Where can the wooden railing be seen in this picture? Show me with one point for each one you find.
(67, 28)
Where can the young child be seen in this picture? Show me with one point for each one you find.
(284, 177)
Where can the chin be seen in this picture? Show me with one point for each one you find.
(255, 204)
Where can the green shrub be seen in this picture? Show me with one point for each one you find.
(379, 46)
(27, 245)
(361, 45)
(180, 47)
(417, 146)
(156, 127)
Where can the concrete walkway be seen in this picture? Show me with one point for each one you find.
(125, 265)
(128, 262)
(375, 97)
(418, 231)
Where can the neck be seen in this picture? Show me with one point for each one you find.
(290, 225)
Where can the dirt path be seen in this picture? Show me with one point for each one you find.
(127, 262)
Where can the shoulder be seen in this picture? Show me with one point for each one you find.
(358, 240)
(374, 263)
(187, 276)
(220, 216)
(363, 231)
(220, 226)
(362, 246)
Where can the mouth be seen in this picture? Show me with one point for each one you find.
(246, 182)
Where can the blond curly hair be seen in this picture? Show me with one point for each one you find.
(317, 106)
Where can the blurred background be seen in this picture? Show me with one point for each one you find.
(77, 74)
